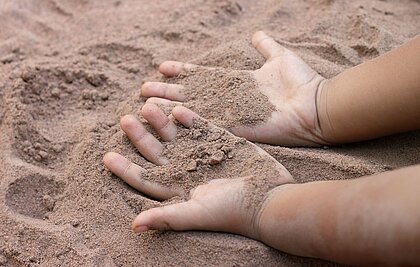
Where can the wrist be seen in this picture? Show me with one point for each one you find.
(291, 221)
(266, 225)
(324, 127)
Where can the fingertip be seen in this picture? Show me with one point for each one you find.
(184, 115)
(138, 226)
(164, 90)
(169, 68)
(108, 158)
(267, 46)
(127, 121)
(163, 66)
(140, 229)
(178, 111)
(148, 108)
(148, 220)
(257, 36)
(259, 33)
(114, 162)
(143, 88)
(136, 222)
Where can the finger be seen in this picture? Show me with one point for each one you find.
(164, 126)
(175, 68)
(179, 217)
(132, 174)
(267, 46)
(145, 142)
(164, 90)
(246, 132)
(185, 116)
(163, 102)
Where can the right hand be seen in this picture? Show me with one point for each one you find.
(227, 205)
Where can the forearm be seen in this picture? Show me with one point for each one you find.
(377, 98)
(368, 220)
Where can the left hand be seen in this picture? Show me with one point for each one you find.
(289, 84)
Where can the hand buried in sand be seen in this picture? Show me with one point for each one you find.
(281, 109)
(200, 163)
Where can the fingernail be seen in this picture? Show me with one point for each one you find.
(140, 228)
(142, 88)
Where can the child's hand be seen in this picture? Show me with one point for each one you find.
(230, 204)
(222, 205)
(289, 83)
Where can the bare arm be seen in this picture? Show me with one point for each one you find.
(372, 220)
(377, 98)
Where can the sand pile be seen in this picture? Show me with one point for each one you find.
(205, 152)
(227, 98)
(70, 69)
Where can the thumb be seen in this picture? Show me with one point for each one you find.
(267, 46)
(179, 217)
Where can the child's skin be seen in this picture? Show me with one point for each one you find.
(371, 220)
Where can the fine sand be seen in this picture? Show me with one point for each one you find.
(70, 69)
(226, 97)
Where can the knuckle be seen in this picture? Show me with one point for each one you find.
(139, 138)
(164, 125)
(127, 169)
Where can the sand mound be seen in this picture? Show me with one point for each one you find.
(227, 98)
(206, 152)
(70, 69)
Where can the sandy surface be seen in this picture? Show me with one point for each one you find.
(70, 69)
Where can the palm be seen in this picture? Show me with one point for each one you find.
(291, 86)
(216, 206)
(288, 82)
(230, 205)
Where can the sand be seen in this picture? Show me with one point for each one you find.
(70, 69)
(227, 98)
(205, 152)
